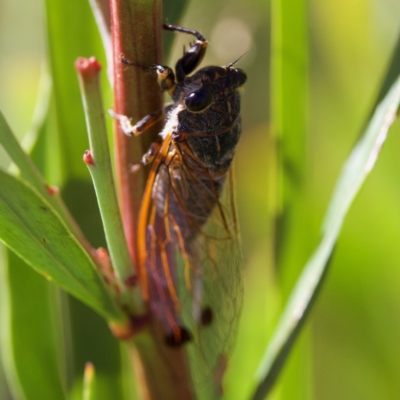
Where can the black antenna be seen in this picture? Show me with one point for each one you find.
(233, 63)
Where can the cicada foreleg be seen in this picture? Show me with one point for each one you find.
(145, 123)
(193, 56)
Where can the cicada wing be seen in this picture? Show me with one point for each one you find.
(213, 300)
(161, 265)
(193, 264)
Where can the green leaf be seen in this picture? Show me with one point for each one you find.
(29, 336)
(30, 226)
(32, 175)
(26, 166)
(357, 167)
(289, 128)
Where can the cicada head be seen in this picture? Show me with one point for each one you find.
(210, 114)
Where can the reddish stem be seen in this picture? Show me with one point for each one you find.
(138, 38)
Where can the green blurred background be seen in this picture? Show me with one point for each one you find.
(350, 348)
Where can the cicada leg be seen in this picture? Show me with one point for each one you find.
(193, 56)
(135, 130)
(145, 123)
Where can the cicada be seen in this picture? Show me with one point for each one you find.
(188, 242)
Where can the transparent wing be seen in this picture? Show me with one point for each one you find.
(192, 260)
(216, 291)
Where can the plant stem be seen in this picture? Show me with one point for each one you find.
(161, 376)
(136, 35)
(99, 164)
(89, 382)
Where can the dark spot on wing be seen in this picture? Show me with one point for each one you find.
(206, 316)
(178, 338)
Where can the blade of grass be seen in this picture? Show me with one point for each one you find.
(391, 75)
(101, 12)
(357, 167)
(31, 227)
(32, 175)
(289, 83)
(4, 385)
(40, 112)
(29, 337)
(289, 108)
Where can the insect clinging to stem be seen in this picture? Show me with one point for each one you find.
(188, 245)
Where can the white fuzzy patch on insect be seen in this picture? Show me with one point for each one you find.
(172, 121)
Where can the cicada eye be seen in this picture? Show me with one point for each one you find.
(198, 101)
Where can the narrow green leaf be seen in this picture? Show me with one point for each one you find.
(29, 337)
(289, 129)
(30, 226)
(26, 166)
(40, 113)
(32, 175)
(101, 12)
(4, 389)
(357, 167)
(289, 90)
(392, 73)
